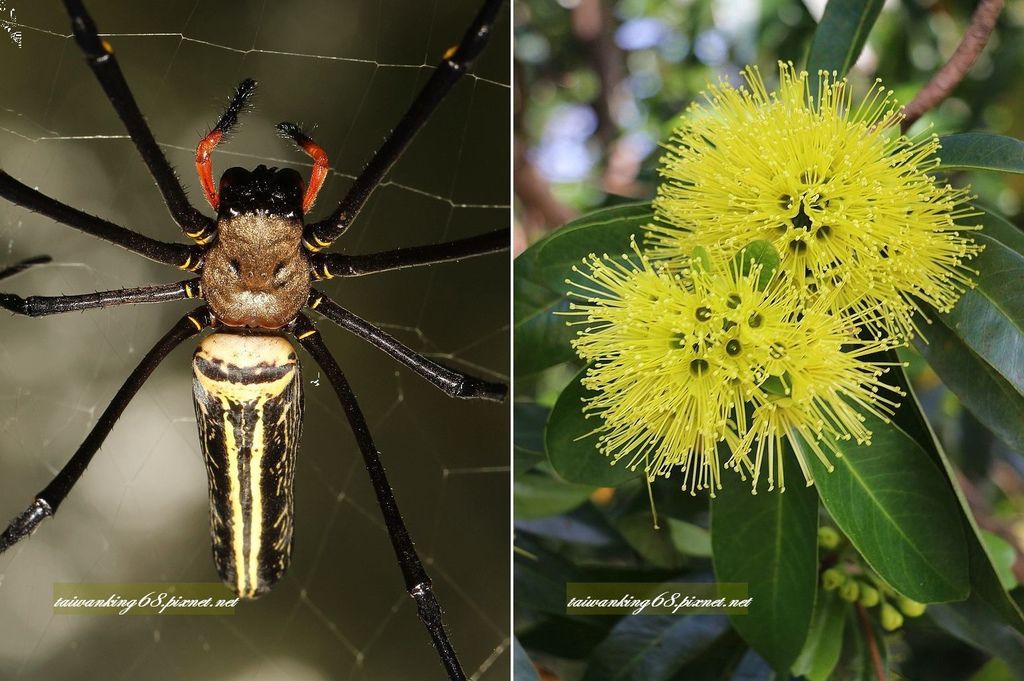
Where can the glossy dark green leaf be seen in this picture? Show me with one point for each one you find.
(571, 446)
(541, 338)
(538, 495)
(769, 541)
(987, 593)
(990, 317)
(840, 36)
(896, 506)
(528, 421)
(653, 647)
(978, 386)
(522, 667)
(981, 151)
(540, 335)
(824, 640)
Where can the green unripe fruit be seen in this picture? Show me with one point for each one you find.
(869, 596)
(828, 538)
(891, 618)
(850, 591)
(911, 608)
(832, 579)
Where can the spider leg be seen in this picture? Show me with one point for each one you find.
(100, 57)
(19, 267)
(454, 63)
(451, 382)
(417, 582)
(49, 500)
(41, 306)
(319, 156)
(180, 255)
(227, 121)
(330, 265)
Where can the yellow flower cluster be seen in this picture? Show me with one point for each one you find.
(841, 195)
(700, 356)
(683, 363)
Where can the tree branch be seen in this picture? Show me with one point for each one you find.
(953, 71)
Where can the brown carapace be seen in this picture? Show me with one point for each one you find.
(257, 273)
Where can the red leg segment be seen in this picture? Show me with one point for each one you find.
(228, 120)
(319, 156)
(204, 166)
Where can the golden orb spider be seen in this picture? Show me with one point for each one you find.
(256, 263)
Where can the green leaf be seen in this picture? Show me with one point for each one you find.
(571, 446)
(840, 36)
(988, 597)
(824, 641)
(769, 541)
(979, 387)
(655, 545)
(689, 539)
(539, 576)
(541, 338)
(528, 419)
(536, 495)
(990, 317)
(973, 622)
(758, 253)
(981, 151)
(1003, 557)
(522, 667)
(653, 647)
(896, 506)
(571, 638)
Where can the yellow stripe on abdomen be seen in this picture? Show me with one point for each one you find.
(248, 397)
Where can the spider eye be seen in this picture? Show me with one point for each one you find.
(279, 269)
(235, 266)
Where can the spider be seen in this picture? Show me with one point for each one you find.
(256, 263)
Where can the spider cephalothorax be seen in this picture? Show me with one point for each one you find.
(256, 272)
(256, 263)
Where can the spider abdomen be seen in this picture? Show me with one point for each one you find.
(248, 400)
